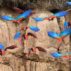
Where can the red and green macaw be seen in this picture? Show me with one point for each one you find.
(19, 18)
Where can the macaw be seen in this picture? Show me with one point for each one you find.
(68, 3)
(58, 14)
(19, 18)
(66, 24)
(2, 52)
(34, 28)
(60, 36)
(17, 35)
(61, 14)
(56, 55)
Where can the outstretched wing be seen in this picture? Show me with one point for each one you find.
(17, 35)
(66, 24)
(53, 34)
(56, 54)
(38, 19)
(65, 32)
(24, 14)
(8, 18)
(61, 14)
(1, 46)
(34, 28)
(68, 3)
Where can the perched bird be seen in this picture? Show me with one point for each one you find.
(34, 28)
(68, 3)
(17, 35)
(38, 19)
(56, 55)
(61, 14)
(19, 18)
(60, 36)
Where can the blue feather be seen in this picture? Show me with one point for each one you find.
(68, 3)
(34, 28)
(66, 24)
(65, 32)
(8, 18)
(38, 19)
(61, 14)
(56, 54)
(53, 34)
(24, 14)
(1, 46)
(17, 35)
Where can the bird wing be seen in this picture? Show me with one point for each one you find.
(66, 24)
(24, 14)
(38, 19)
(60, 14)
(65, 32)
(68, 3)
(53, 34)
(56, 54)
(1, 46)
(8, 18)
(17, 35)
(34, 28)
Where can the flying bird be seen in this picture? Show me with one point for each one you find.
(56, 55)
(68, 3)
(17, 35)
(64, 55)
(1, 46)
(61, 35)
(19, 18)
(2, 49)
(34, 28)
